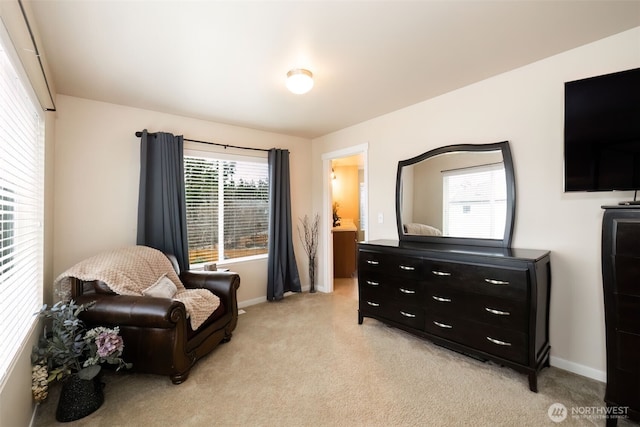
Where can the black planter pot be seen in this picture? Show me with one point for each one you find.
(79, 398)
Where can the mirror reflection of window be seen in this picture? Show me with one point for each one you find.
(484, 205)
(474, 201)
(423, 201)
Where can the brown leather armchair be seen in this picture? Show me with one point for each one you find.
(157, 335)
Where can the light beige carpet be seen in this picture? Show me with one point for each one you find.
(305, 361)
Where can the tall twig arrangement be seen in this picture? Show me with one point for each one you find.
(309, 240)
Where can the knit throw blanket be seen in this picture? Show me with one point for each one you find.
(131, 270)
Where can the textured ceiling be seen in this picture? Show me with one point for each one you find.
(227, 61)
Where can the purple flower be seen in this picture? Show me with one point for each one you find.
(109, 343)
(104, 345)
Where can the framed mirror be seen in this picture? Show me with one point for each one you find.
(459, 194)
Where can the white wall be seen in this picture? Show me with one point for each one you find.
(97, 174)
(524, 106)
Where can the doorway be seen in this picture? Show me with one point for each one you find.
(345, 210)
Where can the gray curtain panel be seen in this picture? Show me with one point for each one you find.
(282, 268)
(162, 212)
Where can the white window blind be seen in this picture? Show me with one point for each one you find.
(475, 202)
(227, 201)
(21, 207)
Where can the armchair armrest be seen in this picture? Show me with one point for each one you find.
(127, 310)
(222, 283)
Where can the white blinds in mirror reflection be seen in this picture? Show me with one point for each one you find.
(474, 202)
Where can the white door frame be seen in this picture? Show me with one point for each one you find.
(327, 213)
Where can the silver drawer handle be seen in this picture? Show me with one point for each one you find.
(407, 267)
(369, 261)
(442, 325)
(407, 291)
(441, 299)
(496, 282)
(369, 282)
(440, 273)
(373, 304)
(405, 314)
(498, 312)
(498, 342)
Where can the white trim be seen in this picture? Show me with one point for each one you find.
(227, 263)
(249, 302)
(326, 213)
(346, 152)
(578, 369)
(325, 229)
(260, 300)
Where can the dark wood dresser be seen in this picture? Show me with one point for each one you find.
(621, 281)
(489, 303)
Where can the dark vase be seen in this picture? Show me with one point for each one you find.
(79, 398)
(312, 275)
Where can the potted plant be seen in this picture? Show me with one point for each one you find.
(70, 353)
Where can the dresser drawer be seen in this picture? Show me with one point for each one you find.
(372, 303)
(623, 378)
(372, 293)
(628, 354)
(503, 343)
(627, 275)
(391, 294)
(504, 313)
(510, 283)
(627, 236)
(407, 315)
(628, 315)
(508, 344)
(412, 316)
(391, 265)
(406, 290)
(623, 389)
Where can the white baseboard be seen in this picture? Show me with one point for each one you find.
(247, 303)
(576, 368)
(254, 301)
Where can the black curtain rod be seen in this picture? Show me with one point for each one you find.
(139, 134)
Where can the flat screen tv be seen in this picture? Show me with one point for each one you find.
(602, 132)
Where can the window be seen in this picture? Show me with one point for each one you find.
(475, 201)
(227, 202)
(21, 208)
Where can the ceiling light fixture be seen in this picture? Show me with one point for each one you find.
(299, 81)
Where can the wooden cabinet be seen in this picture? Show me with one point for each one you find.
(621, 281)
(344, 253)
(491, 303)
